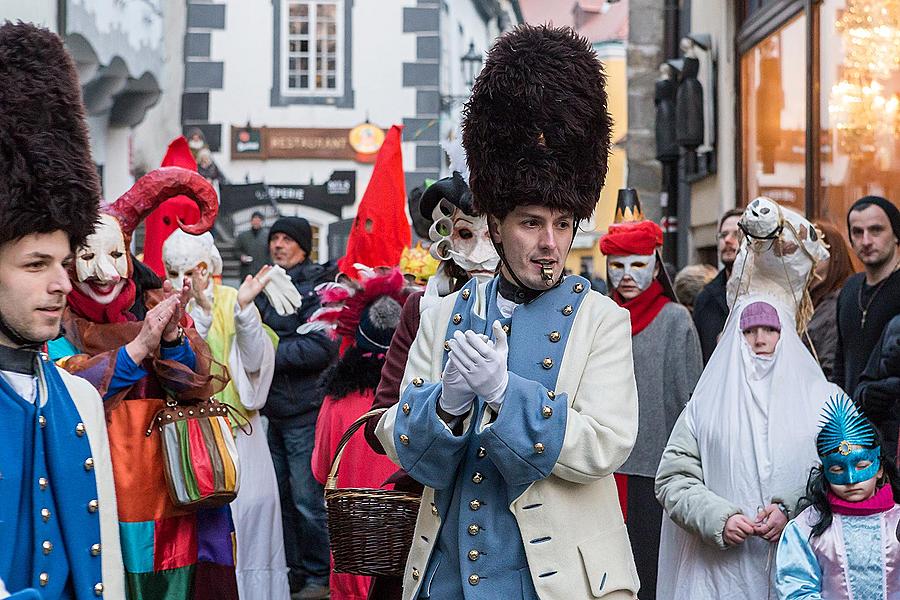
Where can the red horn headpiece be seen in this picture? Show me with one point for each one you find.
(156, 187)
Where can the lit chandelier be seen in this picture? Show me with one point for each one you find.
(871, 34)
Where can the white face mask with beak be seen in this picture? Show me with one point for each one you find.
(639, 267)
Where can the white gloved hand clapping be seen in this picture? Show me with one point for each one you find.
(280, 291)
(482, 363)
(456, 395)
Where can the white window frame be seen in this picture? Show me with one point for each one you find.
(340, 47)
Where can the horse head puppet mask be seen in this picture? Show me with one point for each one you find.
(102, 269)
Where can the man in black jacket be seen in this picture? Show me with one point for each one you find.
(293, 406)
(710, 306)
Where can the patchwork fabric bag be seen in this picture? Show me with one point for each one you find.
(199, 452)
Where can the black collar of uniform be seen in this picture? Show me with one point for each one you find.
(519, 294)
(18, 360)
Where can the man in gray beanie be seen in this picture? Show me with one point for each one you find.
(293, 406)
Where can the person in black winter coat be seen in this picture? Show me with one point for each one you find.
(293, 406)
(878, 391)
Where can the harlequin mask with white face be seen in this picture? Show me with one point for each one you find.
(471, 246)
(101, 265)
(639, 267)
(186, 255)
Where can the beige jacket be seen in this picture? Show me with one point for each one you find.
(591, 550)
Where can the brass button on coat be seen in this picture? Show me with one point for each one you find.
(466, 293)
(474, 554)
(457, 319)
(578, 288)
(93, 505)
(95, 550)
(47, 546)
(547, 363)
(547, 412)
(79, 430)
(45, 514)
(551, 394)
(404, 439)
(555, 336)
(506, 329)
(474, 579)
(568, 310)
(415, 574)
(405, 408)
(434, 510)
(447, 345)
(43, 422)
(98, 589)
(42, 483)
(474, 529)
(477, 477)
(44, 579)
(481, 452)
(475, 504)
(418, 381)
(89, 464)
(539, 448)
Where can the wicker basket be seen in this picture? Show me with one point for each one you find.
(370, 530)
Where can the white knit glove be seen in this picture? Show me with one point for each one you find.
(482, 363)
(456, 395)
(280, 291)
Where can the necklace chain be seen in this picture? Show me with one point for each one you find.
(865, 309)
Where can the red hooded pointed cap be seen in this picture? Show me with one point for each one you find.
(164, 220)
(381, 230)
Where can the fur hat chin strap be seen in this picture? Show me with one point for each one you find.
(17, 338)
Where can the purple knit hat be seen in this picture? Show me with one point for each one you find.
(760, 314)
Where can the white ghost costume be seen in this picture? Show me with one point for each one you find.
(261, 567)
(745, 440)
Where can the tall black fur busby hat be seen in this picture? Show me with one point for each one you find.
(47, 179)
(536, 129)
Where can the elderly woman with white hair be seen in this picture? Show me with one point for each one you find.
(230, 323)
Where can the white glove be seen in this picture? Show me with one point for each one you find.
(456, 395)
(482, 363)
(280, 291)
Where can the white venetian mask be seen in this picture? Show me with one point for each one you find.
(471, 246)
(183, 254)
(101, 265)
(639, 267)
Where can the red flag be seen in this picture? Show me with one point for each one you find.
(381, 230)
(164, 220)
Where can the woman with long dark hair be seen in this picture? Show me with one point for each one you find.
(846, 543)
(829, 279)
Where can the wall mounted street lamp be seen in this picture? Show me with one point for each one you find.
(471, 66)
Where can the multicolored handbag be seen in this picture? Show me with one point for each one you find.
(200, 456)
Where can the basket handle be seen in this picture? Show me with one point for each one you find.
(331, 482)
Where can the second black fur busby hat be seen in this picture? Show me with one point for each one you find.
(47, 179)
(536, 129)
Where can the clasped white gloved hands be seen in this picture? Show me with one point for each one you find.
(280, 291)
(477, 366)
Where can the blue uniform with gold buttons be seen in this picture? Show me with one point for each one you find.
(49, 510)
(476, 475)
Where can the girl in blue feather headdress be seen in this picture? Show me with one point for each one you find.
(846, 545)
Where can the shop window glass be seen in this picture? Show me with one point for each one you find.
(859, 103)
(773, 114)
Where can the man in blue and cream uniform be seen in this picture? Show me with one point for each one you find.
(59, 535)
(519, 399)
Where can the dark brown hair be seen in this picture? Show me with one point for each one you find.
(839, 265)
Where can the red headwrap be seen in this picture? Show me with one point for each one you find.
(624, 239)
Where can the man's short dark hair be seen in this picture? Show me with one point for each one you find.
(734, 212)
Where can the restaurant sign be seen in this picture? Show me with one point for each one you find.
(264, 143)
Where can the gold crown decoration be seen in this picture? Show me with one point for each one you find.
(628, 207)
(418, 263)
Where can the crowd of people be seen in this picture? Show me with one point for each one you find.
(168, 437)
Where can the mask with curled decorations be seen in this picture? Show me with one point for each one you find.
(103, 264)
(185, 255)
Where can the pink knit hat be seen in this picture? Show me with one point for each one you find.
(760, 314)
